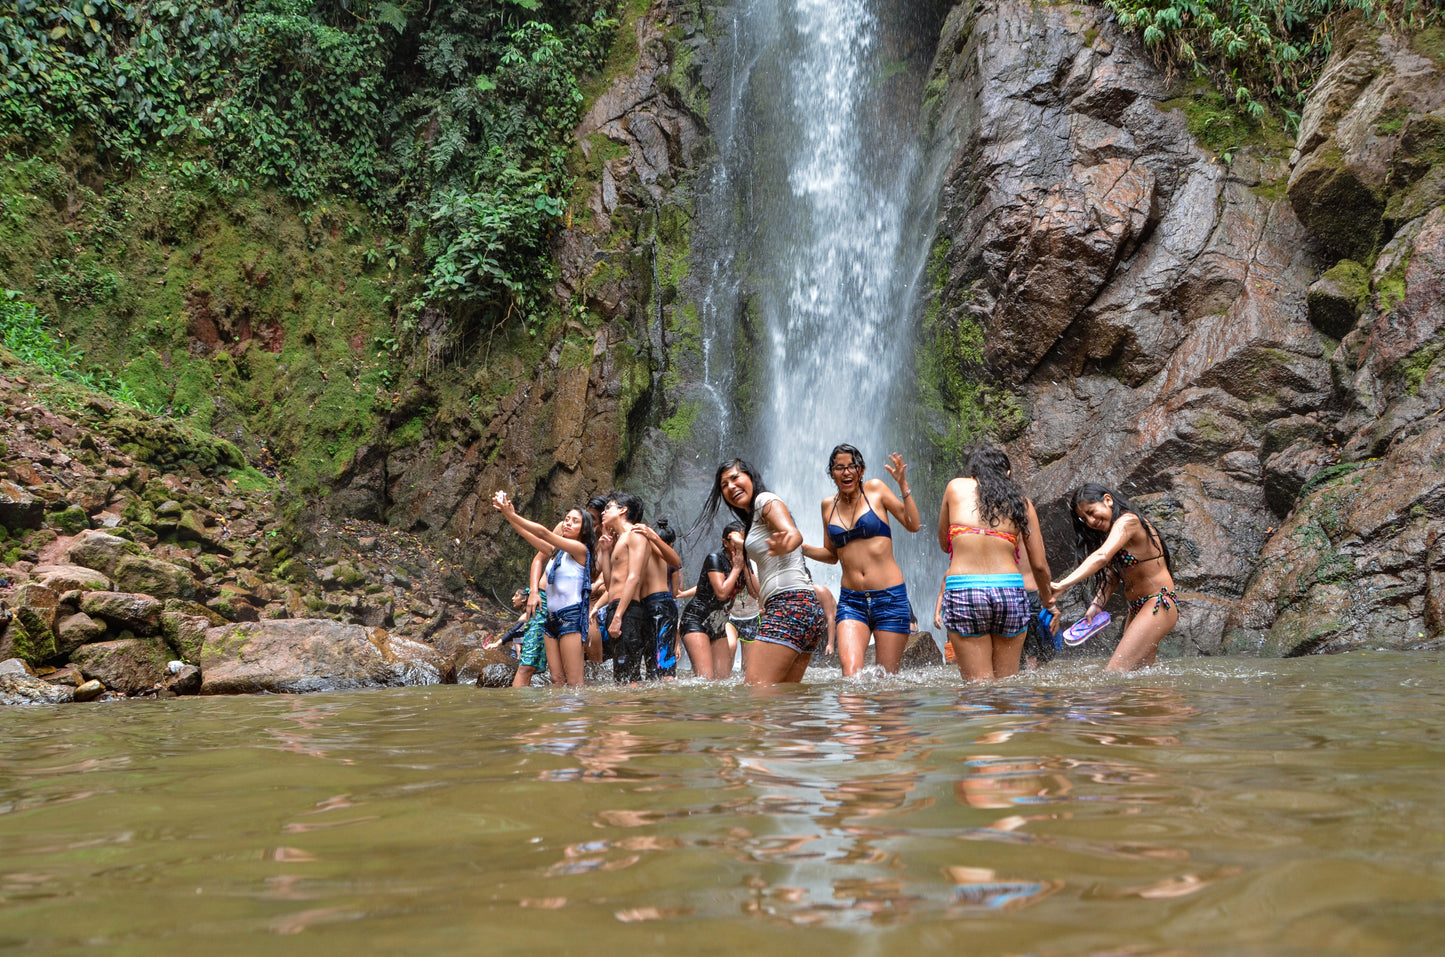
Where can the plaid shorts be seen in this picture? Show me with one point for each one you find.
(794, 618)
(975, 605)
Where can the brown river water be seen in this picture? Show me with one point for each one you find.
(1207, 806)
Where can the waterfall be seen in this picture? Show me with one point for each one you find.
(820, 217)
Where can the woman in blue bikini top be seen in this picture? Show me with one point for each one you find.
(858, 536)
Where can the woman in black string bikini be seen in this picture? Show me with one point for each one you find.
(1121, 546)
(856, 533)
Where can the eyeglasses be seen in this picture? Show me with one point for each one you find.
(851, 467)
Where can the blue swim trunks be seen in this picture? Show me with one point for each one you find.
(663, 609)
(883, 609)
(975, 605)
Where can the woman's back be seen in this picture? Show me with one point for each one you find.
(977, 547)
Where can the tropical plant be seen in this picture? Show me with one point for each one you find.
(1257, 51)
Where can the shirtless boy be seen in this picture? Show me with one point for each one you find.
(633, 637)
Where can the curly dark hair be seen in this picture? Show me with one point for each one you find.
(998, 496)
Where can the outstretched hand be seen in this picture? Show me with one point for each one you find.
(896, 467)
(503, 504)
(778, 543)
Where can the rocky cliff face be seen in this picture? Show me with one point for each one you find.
(1160, 315)
(605, 387)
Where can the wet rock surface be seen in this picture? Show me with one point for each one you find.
(311, 655)
(1174, 327)
(105, 612)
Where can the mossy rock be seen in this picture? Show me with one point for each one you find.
(185, 634)
(30, 638)
(69, 521)
(129, 665)
(168, 446)
(1338, 298)
(1342, 212)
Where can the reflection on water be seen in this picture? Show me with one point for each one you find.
(1205, 807)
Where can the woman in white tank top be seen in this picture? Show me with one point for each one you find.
(568, 576)
(793, 622)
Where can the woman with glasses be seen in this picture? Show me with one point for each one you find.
(874, 599)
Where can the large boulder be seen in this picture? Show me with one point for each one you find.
(302, 655)
(75, 630)
(485, 667)
(64, 578)
(140, 613)
(30, 633)
(18, 508)
(151, 576)
(130, 666)
(185, 634)
(20, 689)
(100, 551)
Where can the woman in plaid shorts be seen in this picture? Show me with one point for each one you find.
(985, 607)
(793, 621)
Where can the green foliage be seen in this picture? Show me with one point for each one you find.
(1224, 126)
(1256, 51)
(23, 332)
(453, 118)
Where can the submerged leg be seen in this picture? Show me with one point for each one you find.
(1142, 634)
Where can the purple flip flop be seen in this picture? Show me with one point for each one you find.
(1086, 628)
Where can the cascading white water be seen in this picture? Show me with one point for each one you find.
(826, 196)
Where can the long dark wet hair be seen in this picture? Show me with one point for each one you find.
(715, 499)
(998, 496)
(843, 448)
(1087, 540)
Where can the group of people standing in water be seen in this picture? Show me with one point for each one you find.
(605, 585)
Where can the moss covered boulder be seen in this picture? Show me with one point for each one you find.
(151, 576)
(1339, 297)
(130, 665)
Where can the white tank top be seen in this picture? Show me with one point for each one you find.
(566, 577)
(776, 573)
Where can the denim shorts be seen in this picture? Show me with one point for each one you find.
(975, 605)
(884, 609)
(567, 621)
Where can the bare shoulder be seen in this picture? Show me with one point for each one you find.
(876, 487)
(1131, 525)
